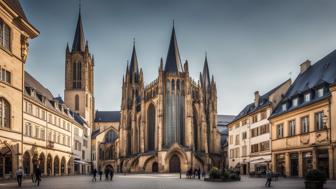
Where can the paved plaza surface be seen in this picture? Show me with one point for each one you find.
(157, 181)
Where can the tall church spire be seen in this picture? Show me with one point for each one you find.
(134, 69)
(79, 39)
(173, 62)
(206, 75)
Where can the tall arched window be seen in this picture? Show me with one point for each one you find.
(168, 87)
(76, 102)
(173, 87)
(178, 87)
(5, 113)
(76, 75)
(151, 127)
(195, 129)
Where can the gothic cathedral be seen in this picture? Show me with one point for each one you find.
(170, 124)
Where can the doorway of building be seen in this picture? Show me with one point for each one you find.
(294, 163)
(155, 167)
(323, 162)
(174, 164)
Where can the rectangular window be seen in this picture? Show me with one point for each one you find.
(37, 132)
(254, 132)
(254, 118)
(254, 148)
(43, 117)
(84, 143)
(231, 153)
(76, 132)
(244, 135)
(264, 146)
(237, 140)
(291, 130)
(280, 130)
(231, 139)
(284, 107)
(5, 75)
(320, 92)
(295, 102)
(305, 124)
(42, 134)
(307, 97)
(319, 121)
(5, 33)
(29, 131)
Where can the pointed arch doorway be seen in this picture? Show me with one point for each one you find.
(174, 164)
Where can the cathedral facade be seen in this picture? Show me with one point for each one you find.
(170, 124)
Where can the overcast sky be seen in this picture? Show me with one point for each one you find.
(251, 45)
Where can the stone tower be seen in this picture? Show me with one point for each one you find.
(79, 88)
(132, 90)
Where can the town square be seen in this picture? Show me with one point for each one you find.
(167, 94)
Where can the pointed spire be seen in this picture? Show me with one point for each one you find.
(173, 62)
(67, 48)
(79, 39)
(206, 75)
(134, 69)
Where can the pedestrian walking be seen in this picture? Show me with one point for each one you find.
(199, 173)
(19, 174)
(100, 174)
(38, 176)
(94, 173)
(268, 178)
(106, 173)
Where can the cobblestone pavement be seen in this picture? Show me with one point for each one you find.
(158, 181)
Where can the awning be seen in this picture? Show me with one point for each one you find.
(260, 160)
(81, 162)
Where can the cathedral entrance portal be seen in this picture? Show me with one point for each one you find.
(174, 164)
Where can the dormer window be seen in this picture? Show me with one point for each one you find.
(295, 102)
(307, 97)
(320, 92)
(284, 107)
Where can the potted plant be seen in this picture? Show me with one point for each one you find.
(315, 179)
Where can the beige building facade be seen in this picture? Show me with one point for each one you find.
(15, 32)
(249, 133)
(36, 128)
(303, 125)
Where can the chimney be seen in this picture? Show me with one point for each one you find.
(256, 98)
(304, 66)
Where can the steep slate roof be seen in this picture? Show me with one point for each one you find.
(107, 116)
(173, 62)
(79, 39)
(31, 82)
(16, 6)
(224, 120)
(263, 102)
(323, 72)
